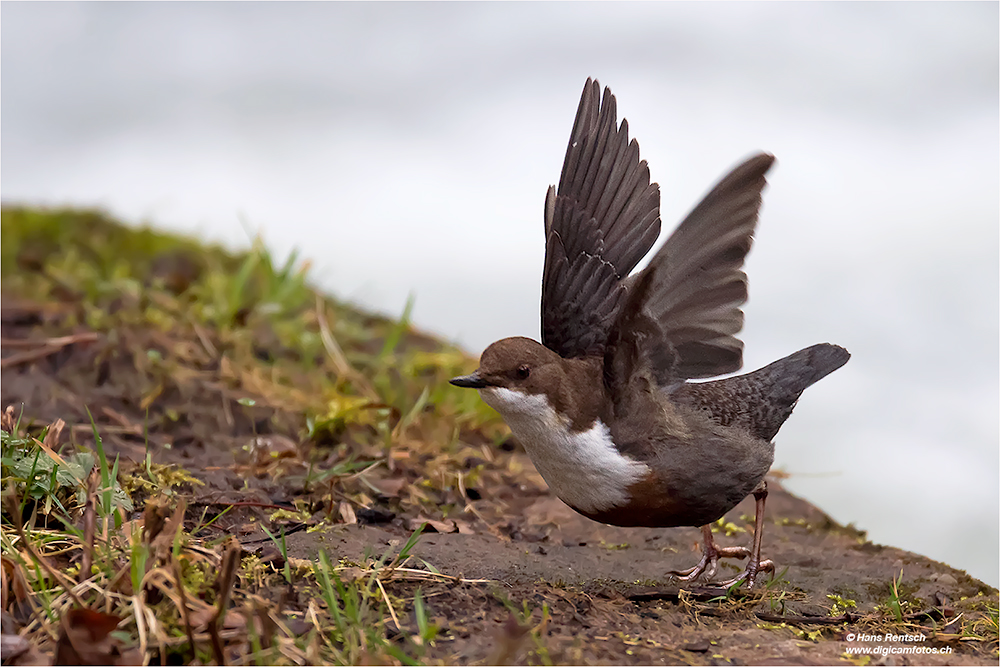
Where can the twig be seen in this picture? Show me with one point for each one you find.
(700, 593)
(105, 428)
(227, 574)
(808, 620)
(89, 526)
(203, 337)
(49, 346)
(122, 420)
(243, 503)
(57, 341)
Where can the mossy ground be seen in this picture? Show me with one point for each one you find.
(205, 459)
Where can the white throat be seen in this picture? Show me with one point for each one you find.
(584, 469)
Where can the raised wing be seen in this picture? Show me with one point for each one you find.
(601, 221)
(699, 286)
(638, 355)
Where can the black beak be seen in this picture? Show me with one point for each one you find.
(473, 381)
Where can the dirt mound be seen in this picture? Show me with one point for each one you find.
(271, 411)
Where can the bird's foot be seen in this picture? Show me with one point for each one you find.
(711, 554)
(709, 562)
(749, 575)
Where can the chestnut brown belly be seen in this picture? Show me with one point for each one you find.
(651, 517)
(654, 504)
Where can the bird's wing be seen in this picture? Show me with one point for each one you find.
(699, 286)
(601, 221)
(638, 356)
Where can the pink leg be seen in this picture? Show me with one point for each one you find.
(755, 565)
(711, 554)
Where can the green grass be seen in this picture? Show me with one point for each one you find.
(125, 277)
(178, 312)
(132, 570)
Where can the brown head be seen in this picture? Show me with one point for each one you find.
(513, 363)
(526, 368)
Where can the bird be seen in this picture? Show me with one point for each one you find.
(614, 406)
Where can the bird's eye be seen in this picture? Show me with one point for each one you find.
(523, 372)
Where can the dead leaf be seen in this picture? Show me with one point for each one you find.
(16, 581)
(248, 528)
(347, 513)
(273, 446)
(390, 487)
(231, 620)
(510, 641)
(7, 421)
(53, 434)
(154, 517)
(437, 526)
(85, 639)
(17, 650)
(548, 511)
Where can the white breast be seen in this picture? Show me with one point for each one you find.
(584, 469)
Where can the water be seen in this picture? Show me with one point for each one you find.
(406, 148)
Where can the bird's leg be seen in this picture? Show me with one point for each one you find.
(755, 565)
(710, 556)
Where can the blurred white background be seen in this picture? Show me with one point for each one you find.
(407, 148)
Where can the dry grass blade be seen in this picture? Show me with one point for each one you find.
(340, 363)
(224, 587)
(51, 453)
(183, 607)
(89, 525)
(49, 346)
(388, 603)
(14, 510)
(426, 575)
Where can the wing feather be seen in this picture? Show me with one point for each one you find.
(599, 224)
(603, 219)
(699, 284)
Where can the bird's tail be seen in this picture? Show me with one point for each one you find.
(787, 378)
(761, 401)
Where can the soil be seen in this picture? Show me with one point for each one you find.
(606, 591)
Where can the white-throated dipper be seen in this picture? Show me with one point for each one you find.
(604, 405)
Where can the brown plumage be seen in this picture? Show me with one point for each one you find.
(604, 405)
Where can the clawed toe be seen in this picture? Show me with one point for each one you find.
(750, 574)
(706, 563)
(711, 554)
(709, 563)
